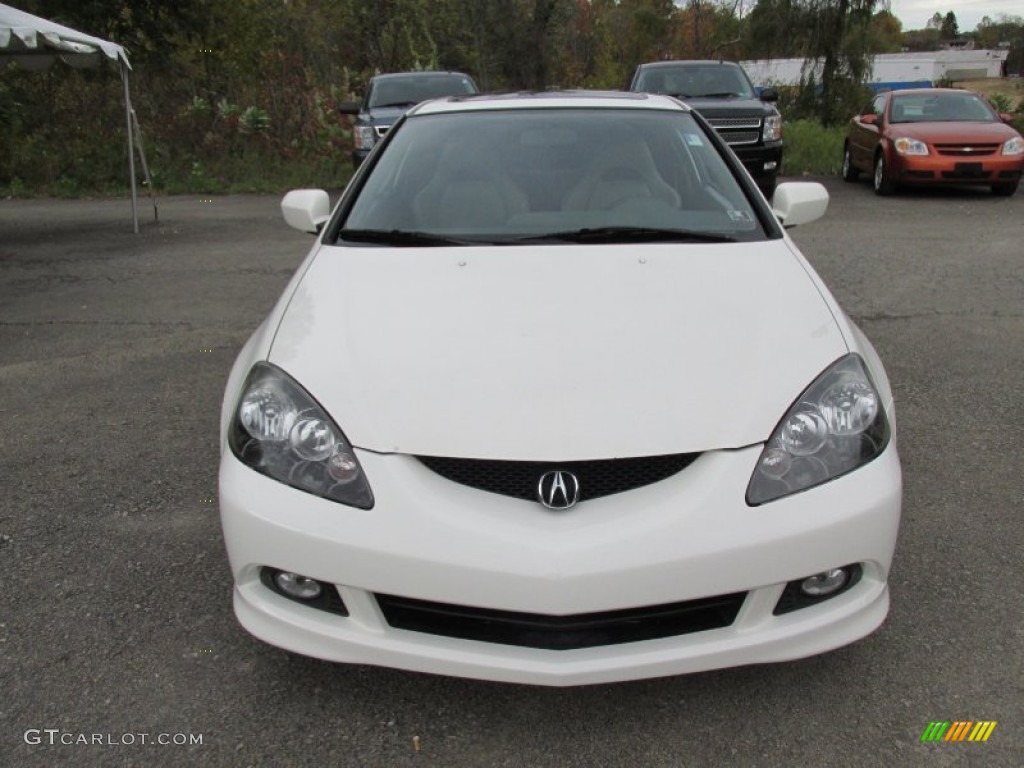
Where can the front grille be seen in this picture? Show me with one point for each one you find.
(966, 150)
(521, 479)
(735, 122)
(561, 633)
(738, 130)
(967, 171)
(740, 137)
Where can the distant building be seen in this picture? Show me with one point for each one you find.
(892, 71)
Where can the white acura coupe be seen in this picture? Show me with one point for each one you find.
(555, 399)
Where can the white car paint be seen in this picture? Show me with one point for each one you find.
(522, 356)
(631, 350)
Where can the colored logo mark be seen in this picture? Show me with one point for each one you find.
(959, 730)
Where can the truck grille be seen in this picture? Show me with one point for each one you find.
(737, 130)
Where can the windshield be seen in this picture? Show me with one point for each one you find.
(695, 81)
(550, 175)
(940, 107)
(412, 89)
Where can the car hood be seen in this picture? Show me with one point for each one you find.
(556, 353)
(953, 132)
(383, 115)
(711, 108)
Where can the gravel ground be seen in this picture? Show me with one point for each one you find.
(115, 615)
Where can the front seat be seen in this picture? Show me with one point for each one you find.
(623, 172)
(469, 191)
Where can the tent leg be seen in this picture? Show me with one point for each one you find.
(145, 165)
(131, 148)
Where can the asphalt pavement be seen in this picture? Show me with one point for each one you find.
(116, 629)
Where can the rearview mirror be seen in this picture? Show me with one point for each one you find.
(306, 209)
(869, 119)
(769, 94)
(799, 202)
(1006, 118)
(349, 107)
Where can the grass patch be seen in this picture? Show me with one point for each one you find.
(812, 149)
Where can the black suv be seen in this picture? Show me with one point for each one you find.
(390, 96)
(722, 93)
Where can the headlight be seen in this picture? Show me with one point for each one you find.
(907, 146)
(364, 136)
(1014, 146)
(772, 128)
(281, 432)
(837, 425)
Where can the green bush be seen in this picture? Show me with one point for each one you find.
(1001, 102)
(811, 148)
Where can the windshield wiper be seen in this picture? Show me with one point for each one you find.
(629, 235)
(396, 104)
(400, 237)
(720, 95)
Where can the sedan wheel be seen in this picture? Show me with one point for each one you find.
(849, 172)
(883, 184)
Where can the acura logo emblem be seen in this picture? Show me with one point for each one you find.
(558, 490)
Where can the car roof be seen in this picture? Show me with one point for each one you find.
(419, 73)
(688, 62)
(927, 91)
(550, 100)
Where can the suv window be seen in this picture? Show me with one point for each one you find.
(695, 80)
(406, 91)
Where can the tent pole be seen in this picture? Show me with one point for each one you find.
(131, 147)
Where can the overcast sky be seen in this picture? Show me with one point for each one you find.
(915, 13)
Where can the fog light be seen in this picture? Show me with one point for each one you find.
(824, 584)
(300, 587)
(770, 165)
(817, 589)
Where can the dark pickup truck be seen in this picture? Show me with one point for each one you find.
(722, 93)
(390, 96)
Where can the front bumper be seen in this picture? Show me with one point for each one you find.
(762, 161)
(689, 537)
(358, 156)
(949, 169)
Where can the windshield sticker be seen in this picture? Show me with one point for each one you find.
(741, 217)
(694, 140)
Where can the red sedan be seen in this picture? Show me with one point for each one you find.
(933, 136)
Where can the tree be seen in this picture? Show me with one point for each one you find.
(886, 33)
(833, 36)
(949, 29)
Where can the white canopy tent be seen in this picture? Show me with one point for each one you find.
(35, 43)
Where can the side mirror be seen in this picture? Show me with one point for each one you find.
(306, 209)
(869, 119)
(769, 95)
(799, 202)
(1006, 118)
(349, 107)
